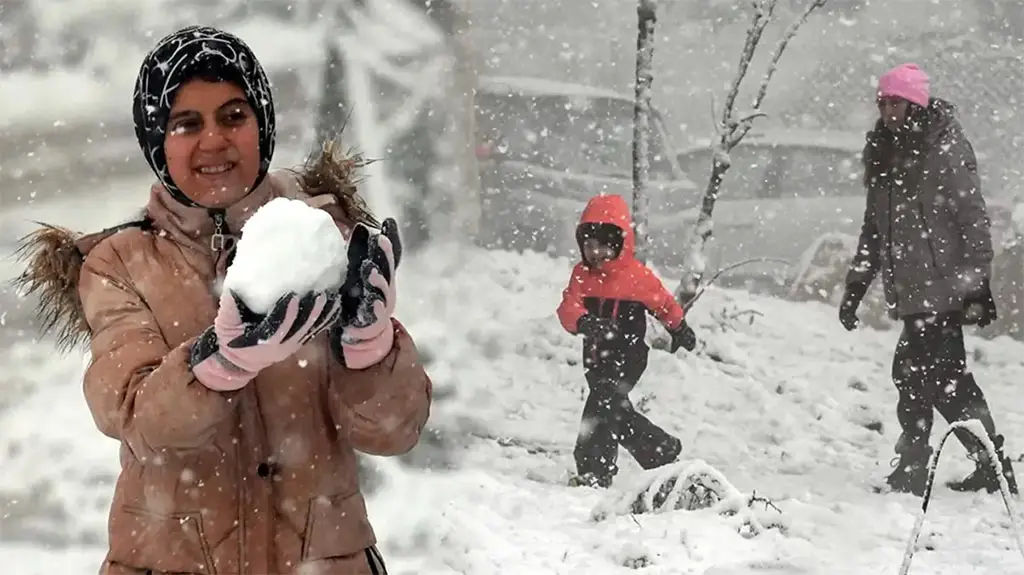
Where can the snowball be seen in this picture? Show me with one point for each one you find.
(286, 246)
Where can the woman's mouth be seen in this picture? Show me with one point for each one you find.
(215, 170)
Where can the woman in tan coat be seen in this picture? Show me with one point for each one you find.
(238, 432)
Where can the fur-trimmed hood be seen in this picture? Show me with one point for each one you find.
(53, 255)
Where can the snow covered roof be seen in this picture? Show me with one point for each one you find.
(541, 86)
(852, 142)
(847, 141)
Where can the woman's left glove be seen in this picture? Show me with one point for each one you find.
(364, 335)
(980, 306)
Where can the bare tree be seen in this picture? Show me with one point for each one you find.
(390, 60)
(730, 131)
(646, 11)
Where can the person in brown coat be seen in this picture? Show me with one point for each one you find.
(926, 231)
(238, 431)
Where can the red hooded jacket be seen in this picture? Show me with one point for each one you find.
(623, 289)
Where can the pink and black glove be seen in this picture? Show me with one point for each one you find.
(241, 343)
(364, 334)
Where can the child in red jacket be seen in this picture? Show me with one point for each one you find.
(606, 301)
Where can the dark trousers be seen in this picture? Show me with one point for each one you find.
(929, 370)
(610, 420)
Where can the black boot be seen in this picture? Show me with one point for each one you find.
(911, 472)
(984, 475)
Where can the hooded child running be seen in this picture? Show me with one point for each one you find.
(606, 301)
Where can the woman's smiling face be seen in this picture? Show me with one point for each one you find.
(212, 143)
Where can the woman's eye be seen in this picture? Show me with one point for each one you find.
(185, 127)
(236, 117)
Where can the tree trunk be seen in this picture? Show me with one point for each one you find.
(646, 17)
(332, 112)
(731, 130)
(695, 266)
(467, 201)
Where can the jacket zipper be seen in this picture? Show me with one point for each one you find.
(218, 240)
(927, 234)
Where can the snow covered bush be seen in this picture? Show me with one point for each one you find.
(634, 555)
(1007, 273)
(692, 486)
(821, 276)
(1008, 291)
(286, 246)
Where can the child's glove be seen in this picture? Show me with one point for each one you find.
(683, 337)
(364, 335)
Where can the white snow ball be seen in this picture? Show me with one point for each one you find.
(286, 246)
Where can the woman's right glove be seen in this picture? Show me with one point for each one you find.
(241, 343)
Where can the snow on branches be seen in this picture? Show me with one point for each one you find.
(692, 486)
(730, 131)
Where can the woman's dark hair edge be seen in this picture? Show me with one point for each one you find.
(330, 170)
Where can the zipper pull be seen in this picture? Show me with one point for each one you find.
(218, 240)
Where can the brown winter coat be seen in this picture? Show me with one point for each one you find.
(258, 481)
(925, 228)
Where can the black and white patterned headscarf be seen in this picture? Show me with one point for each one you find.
(177, 59)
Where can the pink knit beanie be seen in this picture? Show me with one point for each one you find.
(905, 81)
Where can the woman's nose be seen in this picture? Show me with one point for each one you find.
(212, 139)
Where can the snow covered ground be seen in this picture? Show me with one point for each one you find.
(793, 408)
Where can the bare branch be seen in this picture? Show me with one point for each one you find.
(731, 267)
(768, 503)
(751, 116)
(762, 15)
(718, 127)
(790, 33)
(743, 127)
(740, 313)
(729, 133)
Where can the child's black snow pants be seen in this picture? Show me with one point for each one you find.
(610, 420)
(929, 370)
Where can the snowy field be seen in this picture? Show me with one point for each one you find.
(783, 401)
(791, 407)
